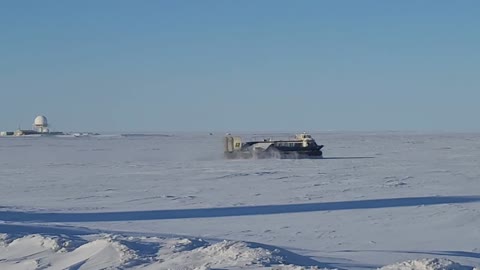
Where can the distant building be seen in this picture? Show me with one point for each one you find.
(40, 124)
(39, 127)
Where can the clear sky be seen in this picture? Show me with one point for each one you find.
(241, 65)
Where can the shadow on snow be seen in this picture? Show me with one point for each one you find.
(18, 216)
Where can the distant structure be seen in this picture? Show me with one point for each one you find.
(39, 127)
(40, 124)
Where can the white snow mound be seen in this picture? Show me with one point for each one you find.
(38, 252)
(107, 251)
(427, 264)
(222, 254)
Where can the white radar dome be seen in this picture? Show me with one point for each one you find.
(40, 121)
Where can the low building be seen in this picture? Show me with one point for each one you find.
(6, 133)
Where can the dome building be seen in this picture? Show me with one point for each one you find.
(40, 124)
(40, 127)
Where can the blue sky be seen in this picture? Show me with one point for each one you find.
(241, 65)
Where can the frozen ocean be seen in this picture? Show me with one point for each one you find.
(385, 200)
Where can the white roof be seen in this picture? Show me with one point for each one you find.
(40, 121)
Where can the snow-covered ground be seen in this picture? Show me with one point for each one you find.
(391, 200)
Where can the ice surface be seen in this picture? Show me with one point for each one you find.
(173, 202)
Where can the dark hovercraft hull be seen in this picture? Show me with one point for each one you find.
(302, 147)
(275, 153)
